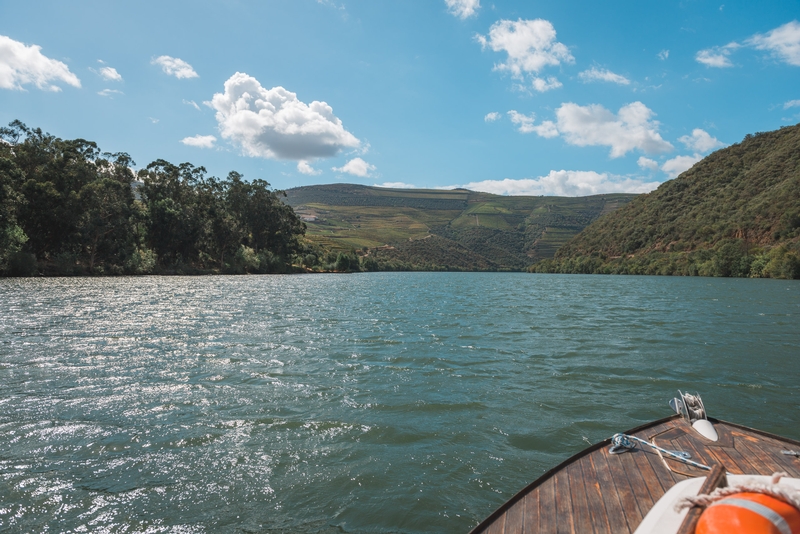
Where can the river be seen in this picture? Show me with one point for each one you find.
(380, 402)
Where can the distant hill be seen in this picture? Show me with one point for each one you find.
(444, 229)
(735, 213)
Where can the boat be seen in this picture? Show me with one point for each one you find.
(663, 477)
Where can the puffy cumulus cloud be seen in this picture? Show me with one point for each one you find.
(791, 104)
(783, 42)
(175, 67)
(463, 9)
(22, 65)
(603, 75)
(542, 85)
(110, 74)
(356, 167)
(631, 128)
(305, 168)
(200, 141)
(716, 56)
(526, 124)
(647, 164)
(565, 183)
(673, 167)
(530, 44)
(273, 123)
(700, 141)
(491, 117)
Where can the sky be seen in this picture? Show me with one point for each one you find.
(512, 97)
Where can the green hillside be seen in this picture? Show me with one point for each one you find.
(444, 229)
(735, 213)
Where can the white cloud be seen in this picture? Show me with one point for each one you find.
(21, 65)
(463, 8)
(192, 103)
(110, 74)
(110, 92)
(200, 141)
(673, 167)
(783, 42)
(305, 168)
(603, 75)
(716, 56)
(175, 67)
(491, 117)
(663, 55)
(273, 123)
(530, 44)
(791, 104)
(647, 163)
(700, 141)
(526, 124)
(565, 183)
(396, 185)
(593, 125)
(542, 85)
(356, 167)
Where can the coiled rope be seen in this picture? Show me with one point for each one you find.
(623, 442)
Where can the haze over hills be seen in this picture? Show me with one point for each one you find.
(735, 213)
(444, 229)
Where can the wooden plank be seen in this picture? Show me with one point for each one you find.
(686, 444)
(594, 496)
(630, 470)
(531, 516)
(649, 475)
(666, 477)
(548, 520)
(627, 491)
(761, 468)
(564, 524)
(581, 518)
(621, 510)
(498, 526)
(772, 448)
(771, 461)
(714, 479)
(722, 457)
(515, 520)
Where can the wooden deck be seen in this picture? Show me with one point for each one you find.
(596, 492)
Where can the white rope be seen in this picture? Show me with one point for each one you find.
(783, 492)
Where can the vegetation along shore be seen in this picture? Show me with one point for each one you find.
(67, 208)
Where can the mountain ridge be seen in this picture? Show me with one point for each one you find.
(735, 213)
(434, 229)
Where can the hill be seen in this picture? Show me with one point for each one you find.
(444, 229)
(735, 213)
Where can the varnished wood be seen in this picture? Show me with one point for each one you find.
(714, 480)
(597, 492)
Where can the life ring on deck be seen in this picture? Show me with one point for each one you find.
(751, 513)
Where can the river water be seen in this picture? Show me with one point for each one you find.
(381, 402)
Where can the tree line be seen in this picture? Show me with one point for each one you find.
(67, 208)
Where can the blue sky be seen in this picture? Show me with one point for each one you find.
(510, 97)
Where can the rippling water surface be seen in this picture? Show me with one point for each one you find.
(392, 402)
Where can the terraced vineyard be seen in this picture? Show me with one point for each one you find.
(445, 229)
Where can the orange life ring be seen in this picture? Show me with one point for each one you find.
(753, 513)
